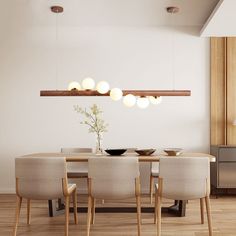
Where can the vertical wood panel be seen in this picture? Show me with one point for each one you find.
(231, 90)
(218, 91)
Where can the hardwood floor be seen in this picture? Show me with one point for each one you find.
(223, 216)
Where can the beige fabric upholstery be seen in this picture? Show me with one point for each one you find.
(185, 178)
(155, 169)
(131, 150)
(40, 178)
(113, 177)
(76, 170)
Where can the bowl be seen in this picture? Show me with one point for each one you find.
(173, 151)
(145, 152)
(115, 152)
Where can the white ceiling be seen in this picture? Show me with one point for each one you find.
(222, 21)
(105, 12)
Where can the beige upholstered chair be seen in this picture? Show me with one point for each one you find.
(154, 173)
(43, 178)
(113, 178)
(184, 178)
(77, 170)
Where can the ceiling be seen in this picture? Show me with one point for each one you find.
(105, 12)
(222, 21)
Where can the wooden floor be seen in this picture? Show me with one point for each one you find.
(109, 224)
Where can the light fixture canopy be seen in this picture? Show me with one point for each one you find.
(88, 83)
(103, 87)
(116, 94)
(57, 9)
(129, 100)
(172, 9)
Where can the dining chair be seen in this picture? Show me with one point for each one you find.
(183, 178)
(112, 179)
(77, 170)
(154, 173)
(43, 178)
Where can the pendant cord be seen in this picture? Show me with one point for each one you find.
(173, 51)
(56, 53)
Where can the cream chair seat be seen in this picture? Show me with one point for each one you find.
(183, 178)
(113, 178)
(43, 178)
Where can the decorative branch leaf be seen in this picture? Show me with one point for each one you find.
(93, 120)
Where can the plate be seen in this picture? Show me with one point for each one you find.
(173, 151)
(145, 152)
(115, 152)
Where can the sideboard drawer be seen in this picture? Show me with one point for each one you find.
(227, 175)
(227, 154)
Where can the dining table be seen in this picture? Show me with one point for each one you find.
(177, 209)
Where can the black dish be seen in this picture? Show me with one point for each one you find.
(115, 152)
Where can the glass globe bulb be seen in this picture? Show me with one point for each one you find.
(74, 85)
(142, 102)
(116, 94)
(129, 100)
(88, 83)
(103, 87)
(155, 100)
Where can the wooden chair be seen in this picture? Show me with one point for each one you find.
(77, 170)
(154, 173)
(183, 178)
(43, 178)
(113, 178)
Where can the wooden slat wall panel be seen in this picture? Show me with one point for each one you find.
(231, 90)
(218, 91)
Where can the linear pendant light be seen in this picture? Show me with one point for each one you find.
(90, 92)
(154, 93)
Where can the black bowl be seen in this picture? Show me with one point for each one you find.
(115, 152)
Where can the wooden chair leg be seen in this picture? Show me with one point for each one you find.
(158, 209)
(208, 209)
(89, 214)
(155, 209)
(93, 210)
(28, 211)
(138, 202)
(202, 210)
(151, 188)
(18, 207)
(67, 206)
(75, 206)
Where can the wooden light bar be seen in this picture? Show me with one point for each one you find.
(140, 93)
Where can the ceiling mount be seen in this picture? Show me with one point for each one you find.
(172, 9)
(57, 9)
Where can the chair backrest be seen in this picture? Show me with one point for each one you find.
(185, 178)
(77, 167)
(40, 177)
(113, 177)
(76, 150)
(131, 151)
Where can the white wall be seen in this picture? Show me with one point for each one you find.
(126, 57)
